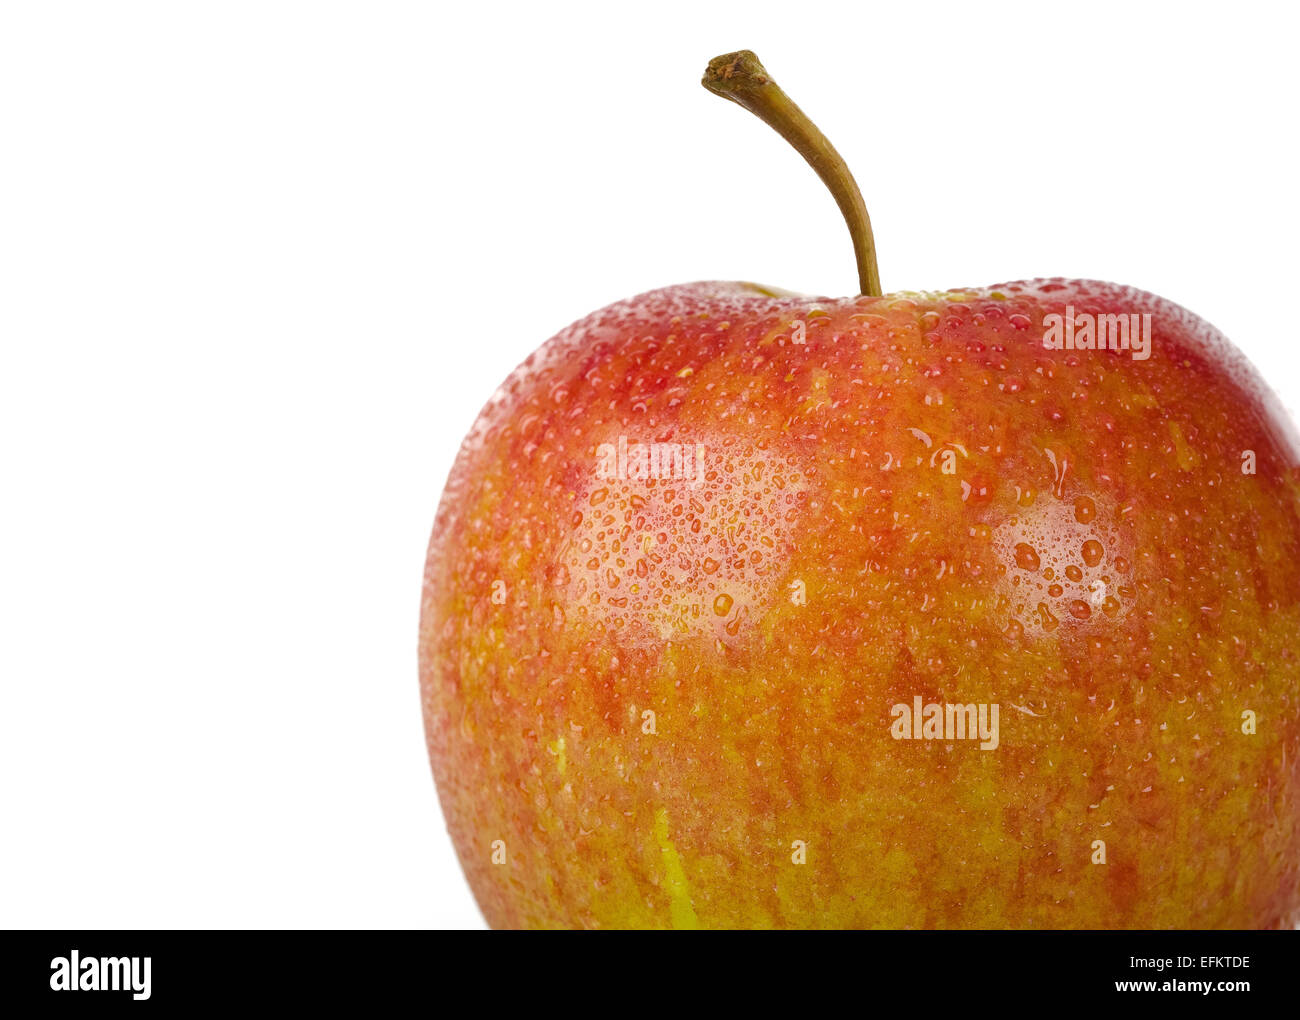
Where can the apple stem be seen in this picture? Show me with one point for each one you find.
(742, 79)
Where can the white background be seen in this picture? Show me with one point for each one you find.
(261, 264)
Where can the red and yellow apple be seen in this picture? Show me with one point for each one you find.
(704, 554)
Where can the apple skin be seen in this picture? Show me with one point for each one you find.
(827, 568)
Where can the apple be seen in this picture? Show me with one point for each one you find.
(976, 608)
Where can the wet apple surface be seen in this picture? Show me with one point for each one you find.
(699, 547)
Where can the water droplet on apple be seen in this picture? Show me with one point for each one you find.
(722, 604)
(1092, 552)
(1026, 557)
